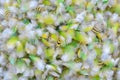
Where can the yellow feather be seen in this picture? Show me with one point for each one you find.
(45, 35)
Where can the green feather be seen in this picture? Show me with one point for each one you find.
(105, 1)
(33, 57)
(60, 1)
(18, 1)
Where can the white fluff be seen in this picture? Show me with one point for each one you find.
(105, 56)
(54, 74)
(8, 75)
(20, 69)
(75, 26)
(95, 70)
(23, 78)
(6, 33)
(7, 1)
(109, 74)
(60, 9)
(2, 12)
(65, 57)
(2, 60)
(1, 71)
(115, 61)
(30, 34)
(92, 56)
(49, 67)
(106, 49)
(11, 68)
(24, 7)
(2, 1)
(89, 39)
(29, 27)
(12, 58)
(4, 23)
(13, 9)
(80, 17)
(102, 6)
(99, 17)
(12, 22)
(39, 32)
(40, 65)
(51, 30)
(28, 73)
(69, 39)
(33, 4)
(14, 62)
(29, 48)
(77, 66)
(114, 17)
(85, 66)
(59, 69)
(21, 53)
(118, 75)
(66, 17)
(68, 2)
(31, 14)
(39, 50)
(10, 47)
(94, 1)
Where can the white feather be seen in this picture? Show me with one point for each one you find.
(33, 4)
(40, 65)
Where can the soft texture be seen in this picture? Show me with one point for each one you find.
(59, 39)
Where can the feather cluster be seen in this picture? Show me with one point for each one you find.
(59, 40)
